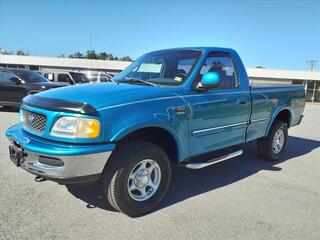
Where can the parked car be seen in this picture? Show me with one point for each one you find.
(178, 106)
(15, 84)
(98, 77)
(70, 77)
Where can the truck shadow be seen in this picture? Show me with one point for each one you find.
(188, 183)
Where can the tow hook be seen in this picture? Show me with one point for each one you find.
(39, 179)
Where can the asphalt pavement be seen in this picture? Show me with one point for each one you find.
(241, 198)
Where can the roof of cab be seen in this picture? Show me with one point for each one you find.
(204, 49)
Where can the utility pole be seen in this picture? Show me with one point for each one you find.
(312, 64)
(312, 68)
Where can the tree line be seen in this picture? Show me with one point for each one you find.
(19, 52)
(90, 54)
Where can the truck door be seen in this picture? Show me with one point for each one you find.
(11, 91)
(218, 116)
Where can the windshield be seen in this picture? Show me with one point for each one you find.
(168, 67)
(30, 76)
(79, 77)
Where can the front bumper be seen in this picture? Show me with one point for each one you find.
(60, 162)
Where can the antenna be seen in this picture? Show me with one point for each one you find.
(312, 64)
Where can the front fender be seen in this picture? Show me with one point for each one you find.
(121, 121)
(177, 131)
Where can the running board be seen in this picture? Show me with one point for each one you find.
(199, 165)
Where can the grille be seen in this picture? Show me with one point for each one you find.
(34, 121)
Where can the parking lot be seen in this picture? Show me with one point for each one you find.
(241, 198)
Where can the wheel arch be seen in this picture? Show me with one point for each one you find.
(166, 138)
(283, 114)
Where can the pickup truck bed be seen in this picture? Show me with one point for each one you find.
(265, 102)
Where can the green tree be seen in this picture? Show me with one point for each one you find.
(7, 53)
(126, 58)
(91, 54)
(110, 56)
(21, 53)
(78, 55)
(103, 56)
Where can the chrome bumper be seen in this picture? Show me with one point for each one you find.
(61, 162)
(67, 167)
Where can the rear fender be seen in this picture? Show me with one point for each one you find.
(275, 114)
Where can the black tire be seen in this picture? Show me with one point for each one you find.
(117, 171)
(265, 145)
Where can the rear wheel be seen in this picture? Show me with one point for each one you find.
(272, 147)
(138, 178)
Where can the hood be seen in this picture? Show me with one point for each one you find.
(100, 95)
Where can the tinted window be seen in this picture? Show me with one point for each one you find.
(79, 77)
(220, 63)
(63, 77)
(30, 76)
(186, 64)
(5, 77)
(105, 78)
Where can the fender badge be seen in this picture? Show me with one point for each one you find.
(179, 109)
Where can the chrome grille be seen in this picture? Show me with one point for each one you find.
(34, 121)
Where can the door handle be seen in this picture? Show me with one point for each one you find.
(241, 101)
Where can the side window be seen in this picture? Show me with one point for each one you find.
(49, 76)
(104, 79)
(183, 68)
(5, 77)
(220, 63)
(186, 64)
(63, 77)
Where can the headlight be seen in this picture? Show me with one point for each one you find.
(74, 127)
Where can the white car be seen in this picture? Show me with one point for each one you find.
(98, 77)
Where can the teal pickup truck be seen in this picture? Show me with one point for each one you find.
(168, 107)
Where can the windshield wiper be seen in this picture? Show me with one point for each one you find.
(133, 80)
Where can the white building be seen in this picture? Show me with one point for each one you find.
(311, 80)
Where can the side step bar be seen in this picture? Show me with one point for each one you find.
(199, 165)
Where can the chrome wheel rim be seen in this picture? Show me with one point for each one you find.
(144, 180)
(278, 141)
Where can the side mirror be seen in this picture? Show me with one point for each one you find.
(210, 80)
(15, 80)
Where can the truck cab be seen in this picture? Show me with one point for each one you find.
(175, 106)
(65, 77)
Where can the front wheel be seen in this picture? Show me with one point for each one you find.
(272, 147)
(138, 178)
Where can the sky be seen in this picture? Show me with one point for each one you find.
(281, 34)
